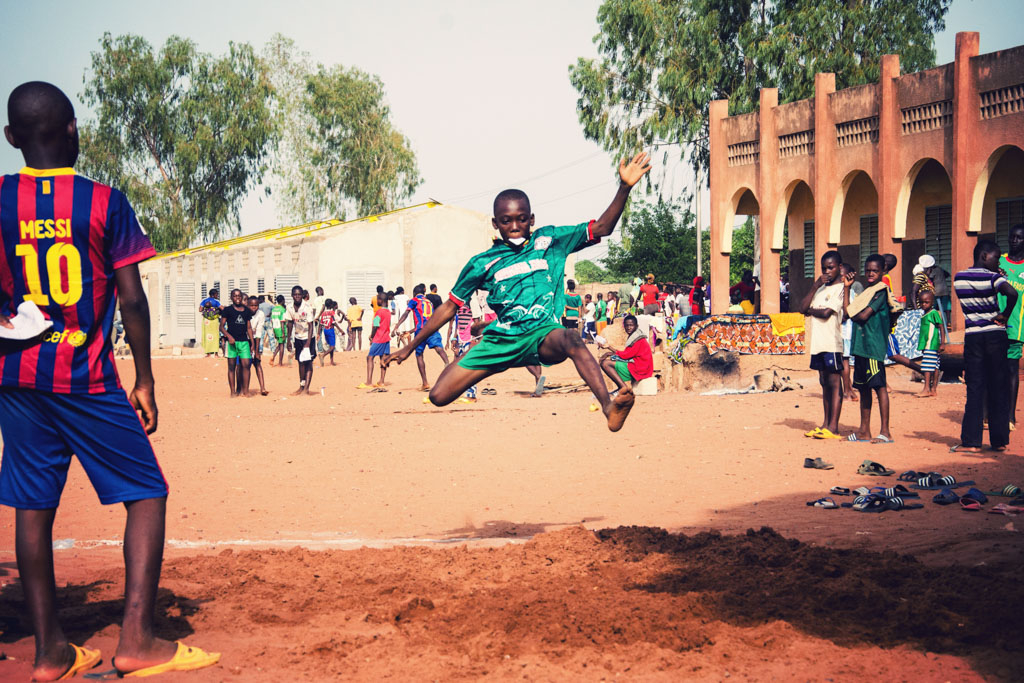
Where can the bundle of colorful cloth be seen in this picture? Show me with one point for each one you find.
(748, 334)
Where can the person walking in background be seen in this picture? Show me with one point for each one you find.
(985, 349)
(573, 304)
(209, 308)
(355, 325)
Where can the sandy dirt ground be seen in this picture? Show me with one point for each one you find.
(366, 535)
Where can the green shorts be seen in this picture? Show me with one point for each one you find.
(622, 367)
(1013, 351)
(239, 349)
(279, 335)
(501, 353)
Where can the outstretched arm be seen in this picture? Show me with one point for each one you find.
(629, 174)
(441, 316)
(135, 316)
(394, 330)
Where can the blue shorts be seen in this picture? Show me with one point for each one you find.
(329, 337)
(381, 349)
(41, 432)
(433, 342)
(893, 346)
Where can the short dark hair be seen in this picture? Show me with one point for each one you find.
(319, 290)
(832, 254)
(571, 284)
(433, 287)
(352, 300)
(297, 288)
(380, 289)
(252, 298)
(889, 261)
(38, 111)
(985, 247)
(875, 258)
(1018, 226)
(399, 290)
(511, 195)
(280, 299)
(628, 318)
(214, 292)
(419, 289)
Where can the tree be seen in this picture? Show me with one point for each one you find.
(659, 238)
(184, 134)
(338, 151)
(588, 271)
(361, 157)
(663, 61)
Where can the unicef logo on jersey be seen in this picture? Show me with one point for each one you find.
(542, 243)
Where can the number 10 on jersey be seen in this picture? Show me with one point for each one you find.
(61, 258)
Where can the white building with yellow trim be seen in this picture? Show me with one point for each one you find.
(427, 243)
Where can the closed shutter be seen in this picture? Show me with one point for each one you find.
(938, 235)
(261, 285)
(809, 249)
(1009, 212)
(187, 306)
(167, 299)
(283, 284)
(362, 284)
(868, 236)
(243, 284)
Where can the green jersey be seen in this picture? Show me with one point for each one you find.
(1015, 276)
(524, 284)
(277, 317)
(871, 338)
(574, 301)
(931, 331)
(601, 308)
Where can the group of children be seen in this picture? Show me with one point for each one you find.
(849, 323)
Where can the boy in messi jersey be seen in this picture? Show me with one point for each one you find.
(522, 273)
(62, 396)
(422, 309)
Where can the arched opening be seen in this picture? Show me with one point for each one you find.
(739, 240)
(793, 241)
(853, 229)
(924, 217)
(998, 201)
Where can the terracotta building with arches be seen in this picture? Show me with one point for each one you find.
(927, 162)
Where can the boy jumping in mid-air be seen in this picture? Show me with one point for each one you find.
(61, 395)
(523, 272)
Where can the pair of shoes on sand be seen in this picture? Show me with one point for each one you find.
(186, 658)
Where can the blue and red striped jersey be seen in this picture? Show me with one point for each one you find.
(422, 310)
(62, 236)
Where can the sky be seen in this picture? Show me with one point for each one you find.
(481, 88)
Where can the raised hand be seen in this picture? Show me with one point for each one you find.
(632, 171)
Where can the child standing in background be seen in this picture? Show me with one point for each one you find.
(929, 342)
(855, 289)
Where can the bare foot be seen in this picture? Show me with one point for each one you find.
(425, 387)
(960, 448)
(618, 409)
(158, 652)
(298, 391)
(263, 392)
(52, 670)
(853, 397)
(923, 394)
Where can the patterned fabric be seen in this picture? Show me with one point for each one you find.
(746, 334)
(908, 332)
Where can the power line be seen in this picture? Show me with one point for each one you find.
(526, 180)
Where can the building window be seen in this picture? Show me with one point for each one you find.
(362, 284)
(809, 249)
(167, 299)
(1009, 212)
(203, 291)
(868, 237)
(231, 285)
(261, 286)
(185, 316)
(243, 284)
(283, 284)
(938, 234)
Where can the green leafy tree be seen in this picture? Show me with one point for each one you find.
(659, 238)
(662, 61)
(184, 134)
(338, 151)
(361, 157)
(588, 271)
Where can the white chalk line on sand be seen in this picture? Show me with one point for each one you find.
(311, 543)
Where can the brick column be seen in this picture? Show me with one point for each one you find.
(965, 121)
(826, 184)
(719, 266)
(769, 196)
(887, 169)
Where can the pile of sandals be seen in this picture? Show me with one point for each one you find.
(901, 497)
